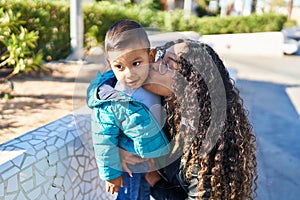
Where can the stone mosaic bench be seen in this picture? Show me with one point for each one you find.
(55, 161)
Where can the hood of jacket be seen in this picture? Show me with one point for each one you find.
(101, 89)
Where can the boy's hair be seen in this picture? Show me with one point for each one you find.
(125, 32)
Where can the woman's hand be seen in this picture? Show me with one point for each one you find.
(113, 185)
(127, 157)
(152, 177)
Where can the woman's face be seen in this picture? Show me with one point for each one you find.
(160, 81)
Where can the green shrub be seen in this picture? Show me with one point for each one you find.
(290, 23)
(51, 21)
(99, 16)
(17, 46)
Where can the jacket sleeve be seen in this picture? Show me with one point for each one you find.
(138, 123)
(105, 135)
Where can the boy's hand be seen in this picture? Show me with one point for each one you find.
(113, 185)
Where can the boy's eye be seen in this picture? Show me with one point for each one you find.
(136, 63)
(119, 67)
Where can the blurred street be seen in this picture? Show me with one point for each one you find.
(263, 83)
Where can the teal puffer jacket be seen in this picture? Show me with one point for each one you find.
(120, 121)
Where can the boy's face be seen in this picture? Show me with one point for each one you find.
(130, 66)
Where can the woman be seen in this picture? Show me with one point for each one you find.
(214, 147)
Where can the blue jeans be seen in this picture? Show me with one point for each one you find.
(135, 187)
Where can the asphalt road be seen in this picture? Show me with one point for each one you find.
(263, 82)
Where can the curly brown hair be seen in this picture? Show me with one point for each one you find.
(207, 119)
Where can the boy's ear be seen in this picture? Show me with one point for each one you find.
(152, 54)
(108, 63)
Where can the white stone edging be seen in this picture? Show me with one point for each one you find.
(258, 44)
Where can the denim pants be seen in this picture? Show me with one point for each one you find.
(135, 187)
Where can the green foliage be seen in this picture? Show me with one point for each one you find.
(202, 8)
(241, 24)
(290, 23)
(50, 20)
(104, 14)
(6, 96)
(99, 16)
(152, 4)
(17, 45)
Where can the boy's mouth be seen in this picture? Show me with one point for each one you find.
(132, 83)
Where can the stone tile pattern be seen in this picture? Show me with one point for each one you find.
(55, 161)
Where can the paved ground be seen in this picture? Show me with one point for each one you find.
(263, 82)
(38, 99)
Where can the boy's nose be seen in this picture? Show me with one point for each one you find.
(130, 72)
